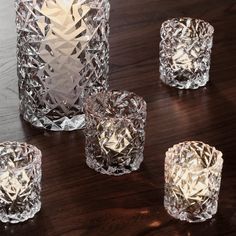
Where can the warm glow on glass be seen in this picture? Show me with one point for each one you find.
(115, 133)
(20, 181)
(192, 181)
(185, 52)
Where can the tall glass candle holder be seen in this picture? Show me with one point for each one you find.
(192, 181)
(115, 133)
(20, 182)
(62, 54)
(185, 52)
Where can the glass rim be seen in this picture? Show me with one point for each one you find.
(108, 93)
(219, 157)
(37, 154)
(207, 24)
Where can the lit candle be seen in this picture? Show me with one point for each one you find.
(114, 137)
(192, 181)
(182, 59)
(185, 51)
(20, 181)
(60, 45)
(115, 132)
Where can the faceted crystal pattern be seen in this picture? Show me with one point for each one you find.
(192, 181)
(114, 136)
(114, 132)
(20, 182)
(185, 52)
(62, 52)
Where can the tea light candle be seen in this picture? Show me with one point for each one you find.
(192, 181)
(20, 182)
(181, 59)
(115, 135)
(63, 33)
(185, 52)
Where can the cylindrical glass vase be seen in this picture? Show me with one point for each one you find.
(62, 54)
(115, 134)
(192, 181)
(20, 181)
(185, 52)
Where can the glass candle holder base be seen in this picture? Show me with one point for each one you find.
(185, 82)
(27, 214)
(114, 170)
(49, 123)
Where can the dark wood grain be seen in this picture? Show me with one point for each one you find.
(79, 202)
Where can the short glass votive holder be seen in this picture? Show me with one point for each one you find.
(192, 181)
(185, 52)
(115, 135)
(20, 182)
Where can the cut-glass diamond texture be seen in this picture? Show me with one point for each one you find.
(20, 182)
(114, 137)
(192, 177)
(62, 52)
(185, 52)
(115, 132)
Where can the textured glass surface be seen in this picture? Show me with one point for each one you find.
(185, 52)
(20, 181)
(192, 181)
(62, 58)
(115, 133)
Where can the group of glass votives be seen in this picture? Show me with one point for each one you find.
(115, 136)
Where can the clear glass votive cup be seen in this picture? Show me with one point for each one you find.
(115, 135)
(192, 181)
(20, 182)
(185, 52)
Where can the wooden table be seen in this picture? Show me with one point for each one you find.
(80, 202)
